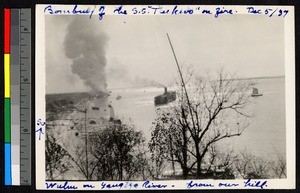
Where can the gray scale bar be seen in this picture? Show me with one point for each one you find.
(25, 96)
(15, 95)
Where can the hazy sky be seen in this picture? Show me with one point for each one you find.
(252, 46)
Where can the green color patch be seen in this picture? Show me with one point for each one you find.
(7, 123)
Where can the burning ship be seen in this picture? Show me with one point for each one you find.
(165, 98)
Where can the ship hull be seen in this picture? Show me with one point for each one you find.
(165, 98)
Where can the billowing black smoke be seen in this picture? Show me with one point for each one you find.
(86, 46)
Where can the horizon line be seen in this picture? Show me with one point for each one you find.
(246, 78)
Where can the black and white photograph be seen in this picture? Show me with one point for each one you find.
(155, 98)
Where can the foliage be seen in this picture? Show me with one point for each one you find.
(169, 143)
(118, 152)
(57, 162)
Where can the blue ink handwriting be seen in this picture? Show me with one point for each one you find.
(192, 184)
(220, 11)
(131, 185)
(41, 124)
(119, 10)
(88, 186)
(253, 10)
(40, 130)
(270, 12)
(255, 184)
(228, 184)
(206, 11)
(142, 11)
(161, 10)
(147, 184)
(75, 11)
(109, 186)
(101, 12)
(123, 185)
(64, 186)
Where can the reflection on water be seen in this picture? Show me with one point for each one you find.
(265, 136)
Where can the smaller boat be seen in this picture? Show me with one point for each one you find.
(118, 97)
(255, 92)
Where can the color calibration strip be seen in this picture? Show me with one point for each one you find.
(7, 120)
(17, 93)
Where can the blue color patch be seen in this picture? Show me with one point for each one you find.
(7, 164)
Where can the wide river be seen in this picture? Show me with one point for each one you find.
(265, 136)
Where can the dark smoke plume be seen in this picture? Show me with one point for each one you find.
(86, 46)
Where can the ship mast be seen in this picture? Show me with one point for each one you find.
(182, 81)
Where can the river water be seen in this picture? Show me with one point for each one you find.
(265, 136)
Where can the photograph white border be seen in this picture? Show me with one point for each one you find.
(40, 77)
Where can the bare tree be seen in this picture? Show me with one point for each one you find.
(209, 110)
(216, 112)
(250, 166)
(221, 162)
(79, 152)
(279, 167)
(78, 157)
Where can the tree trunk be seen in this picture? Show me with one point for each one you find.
(120, 171)
(185, 170)
(199, 160)
(51, 173)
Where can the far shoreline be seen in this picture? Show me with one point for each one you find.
(148, 86)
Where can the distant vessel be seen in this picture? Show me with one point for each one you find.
(165, 98)
(255, 92)
(118, 97)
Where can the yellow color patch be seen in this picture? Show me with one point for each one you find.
(6, 75)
